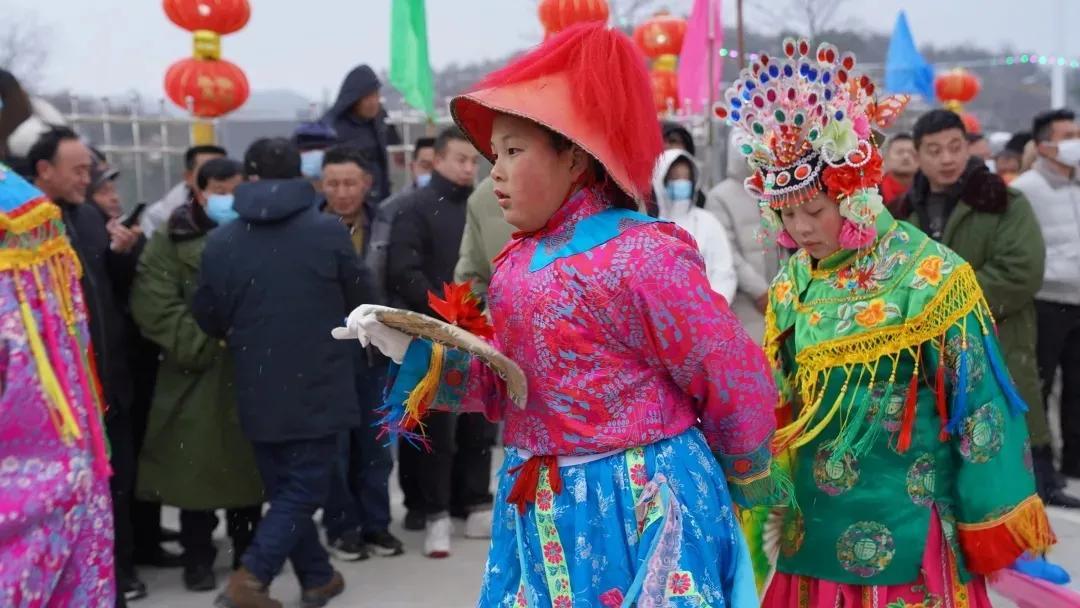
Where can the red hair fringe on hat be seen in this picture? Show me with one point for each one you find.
(611, 89)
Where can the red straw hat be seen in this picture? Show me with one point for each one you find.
(587, 83)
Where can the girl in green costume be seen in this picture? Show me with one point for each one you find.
(900, 422)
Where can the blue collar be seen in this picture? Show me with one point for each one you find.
(586, 234)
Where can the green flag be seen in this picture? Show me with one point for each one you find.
(410, 69)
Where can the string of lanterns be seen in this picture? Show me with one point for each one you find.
(205, 84)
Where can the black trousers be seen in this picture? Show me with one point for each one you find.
(121, 487)
(1059, 348)
(454, 474)
(197, 532)
(145, 516)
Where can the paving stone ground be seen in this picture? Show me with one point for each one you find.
(412, 581)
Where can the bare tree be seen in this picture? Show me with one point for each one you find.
(810, 17)
(24, 48)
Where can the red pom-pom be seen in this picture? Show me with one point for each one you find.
(461, 307)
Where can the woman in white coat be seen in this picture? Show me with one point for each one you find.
(675, 182)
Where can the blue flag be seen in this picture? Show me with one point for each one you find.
(905, 69)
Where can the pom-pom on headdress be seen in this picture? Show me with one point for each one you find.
(589, 84)
(805, 127)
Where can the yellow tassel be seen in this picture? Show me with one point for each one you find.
(66, 425)
(424, 391)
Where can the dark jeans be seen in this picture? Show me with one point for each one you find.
(360, 490)
(197, 533)
(1059, 347)
(296, 475)
(454, 475)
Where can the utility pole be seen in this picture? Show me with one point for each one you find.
(1057, 72)
(741, 33)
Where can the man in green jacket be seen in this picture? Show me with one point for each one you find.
(486, 233)
(956, 200)
(195, 456)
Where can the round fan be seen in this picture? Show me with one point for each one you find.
(422, 326)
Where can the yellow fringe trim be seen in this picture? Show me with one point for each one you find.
(992, 545)
(21, 259)
(40, 214)
(958, 296)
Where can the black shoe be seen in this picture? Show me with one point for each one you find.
(200, 578)
(161, 558)
(383, 543)
(415, 521)
(130, 587)
(1059, 498)
(349, 548)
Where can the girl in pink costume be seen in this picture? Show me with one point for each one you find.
(648, 410)
(55, 517)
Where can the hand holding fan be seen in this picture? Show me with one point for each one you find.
(465, 329)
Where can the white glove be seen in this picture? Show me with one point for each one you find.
(363, 325)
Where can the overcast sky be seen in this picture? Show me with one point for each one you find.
(114, 46)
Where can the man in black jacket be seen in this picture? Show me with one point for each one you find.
(273, 284)
(108, 253)
(425, 238)
(359, 120)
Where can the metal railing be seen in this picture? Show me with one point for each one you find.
(147, 147)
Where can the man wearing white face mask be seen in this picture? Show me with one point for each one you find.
(1053, 187)
(675, 183)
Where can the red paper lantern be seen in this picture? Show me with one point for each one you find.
(557, 15)
(957, 86)
(220, 16)
(665, 86)
(215, 87)
(971, 124)
(660, 35)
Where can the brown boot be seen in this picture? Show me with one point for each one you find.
(244, 590)
(319, 596)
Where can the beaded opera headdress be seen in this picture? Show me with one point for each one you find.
(804, 125)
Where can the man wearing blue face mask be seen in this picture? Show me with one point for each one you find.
(313, 139)
(675, 184)
(195, 456)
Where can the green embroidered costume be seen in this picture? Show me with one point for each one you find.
(897, 407)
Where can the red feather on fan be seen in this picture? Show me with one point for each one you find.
(460, 307)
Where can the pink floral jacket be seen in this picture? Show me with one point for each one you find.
(610, 315)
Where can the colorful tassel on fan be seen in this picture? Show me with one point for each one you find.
(412, 388)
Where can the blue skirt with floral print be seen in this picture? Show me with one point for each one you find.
(649, 527)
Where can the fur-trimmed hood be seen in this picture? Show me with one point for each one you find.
(978, 188)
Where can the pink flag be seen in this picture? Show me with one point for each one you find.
(694, 60)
